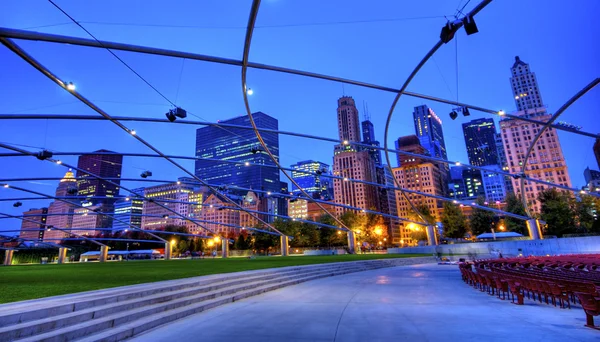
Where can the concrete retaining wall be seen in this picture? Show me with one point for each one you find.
(577, 245)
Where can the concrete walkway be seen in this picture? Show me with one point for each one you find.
(411, 303)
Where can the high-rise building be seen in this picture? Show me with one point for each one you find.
(129, 210)
(60, 214)
(106, 164)
(546, 162)
(174, 196)
(480, 139)
(456, 185)
(387, 200)
(102, 165)
(428, 127)
(85, 220)
(34, 230)
(297, 208)
(411, 144)
(597, 151)
(217, 146)
(524, 86)
(420, 175)
(347, 118)
(493, 184)
(590, 175)
(350, 162)
(368, 134)
(473, 183)
(503, 163)
(310, 182)
(217, 209)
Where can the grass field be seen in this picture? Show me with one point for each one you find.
(37, 281)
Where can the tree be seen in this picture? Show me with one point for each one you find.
(481, 220)
(241, 243)
(558, 211)
(454, 221)
(586, 209)
(419, 232)
(182, 246)
(515, 206)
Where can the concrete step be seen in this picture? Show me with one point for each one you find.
(84, 322)
(16, 313)
(54, 322)
(146, 323)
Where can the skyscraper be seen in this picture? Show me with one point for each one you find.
(502, 162)
(597, 151)
(60, 214)
(524, 86)
(368, 134)
(428, 127)
(102, 165)
(547, 161)
(177, 194)
(216, 147)
(421, 175)
(480, 139)
(315, 185)
(33, 230)
(350, 162)
(129, 209)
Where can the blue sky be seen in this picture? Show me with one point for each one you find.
(375, 41)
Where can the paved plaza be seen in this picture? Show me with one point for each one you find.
(411, 303)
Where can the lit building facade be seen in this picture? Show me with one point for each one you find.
(315, 185)
(85, 220)
(349, 162)
(368, 135)
(525, 86)
(503, 163)
(419, 175)
(216, 209)
(314, 213)
(480, 139)
(105, 164)
(546, 162)
(174, 196)
(217, 146)
(34, 230)
(590, 175)
(60, 214)
(298, 208)
(428, 128)
(129, 210)
(494, 185)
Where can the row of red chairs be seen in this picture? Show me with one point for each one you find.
(555, 280)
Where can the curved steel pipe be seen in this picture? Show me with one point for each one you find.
(558, 113)
(247, 42)
(431, 52)
(52, 38)
(25, 56)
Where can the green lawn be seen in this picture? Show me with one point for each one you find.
(37, 281)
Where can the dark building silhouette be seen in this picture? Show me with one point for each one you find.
(480, 139)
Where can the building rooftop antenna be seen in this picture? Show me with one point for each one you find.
(366, 111)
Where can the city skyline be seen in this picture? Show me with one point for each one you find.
(377, 104)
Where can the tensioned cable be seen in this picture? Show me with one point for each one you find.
(124, 63)
(30, 35)
(558, 113)
(248, 40)
(345, 22)
(25, 56)
(399, 94)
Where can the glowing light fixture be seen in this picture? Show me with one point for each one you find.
(133, 132)
(249, 91)
(501, 113)
(70, 86)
